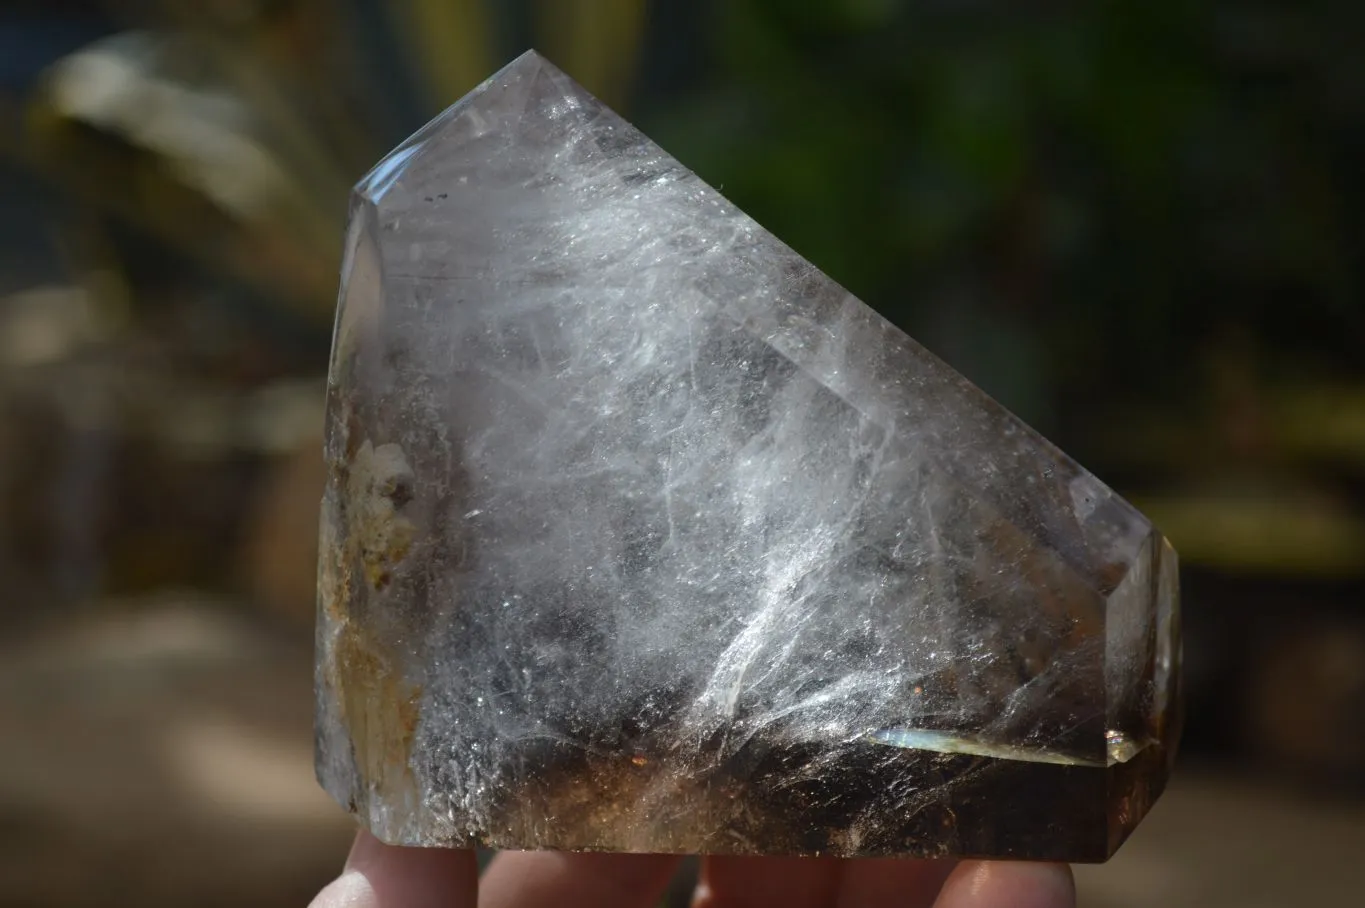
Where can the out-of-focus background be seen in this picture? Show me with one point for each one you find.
(1140, 224)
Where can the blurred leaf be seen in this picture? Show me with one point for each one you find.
(1321, 422)
(1297, 425)
(595, 41)
(974, 116)
(151, 127)
(1265, 529)
(452, 43)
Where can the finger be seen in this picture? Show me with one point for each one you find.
(384, 876)
(903, 882)
(988, 884)
(547, 879)
(728, 882)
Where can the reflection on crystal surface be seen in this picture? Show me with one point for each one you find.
(642, 534)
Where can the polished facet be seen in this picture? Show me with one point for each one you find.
(642, 534)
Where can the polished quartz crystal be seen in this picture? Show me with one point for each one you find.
(641, 534)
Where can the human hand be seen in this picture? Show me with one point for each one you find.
(382, 876)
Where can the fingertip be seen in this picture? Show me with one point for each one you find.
(741, 882)
(387, 876)
(350, 890)
(909, 882)
(986, 884)
(549, 879)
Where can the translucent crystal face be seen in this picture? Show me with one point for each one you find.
(643, 534)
